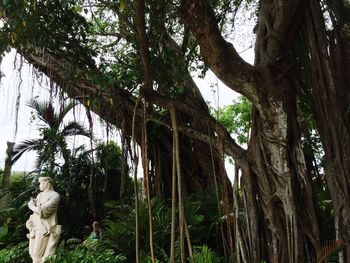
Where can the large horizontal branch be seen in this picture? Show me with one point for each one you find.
(118, 105)
(220, 55)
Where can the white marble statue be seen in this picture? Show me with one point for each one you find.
(44, 232)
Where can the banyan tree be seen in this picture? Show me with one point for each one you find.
(132, 63)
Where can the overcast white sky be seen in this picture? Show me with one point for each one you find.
(26, 128)
(29, 87)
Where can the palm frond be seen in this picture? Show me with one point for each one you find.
(74, 128)
(329, 251)
(45, 112)
(83, 153)
(39, 162)
(80, 150)
(25, 146)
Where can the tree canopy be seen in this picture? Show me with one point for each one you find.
(132, 62)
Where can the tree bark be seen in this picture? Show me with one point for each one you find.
(274, 177)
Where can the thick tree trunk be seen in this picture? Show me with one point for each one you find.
(280, 222)
(283, 188)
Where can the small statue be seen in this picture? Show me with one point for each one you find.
(96, 233)
(93, 240)
(44, 232)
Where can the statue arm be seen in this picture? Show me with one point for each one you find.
(50, 206)
(33, 207)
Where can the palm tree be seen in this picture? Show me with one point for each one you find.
(54, 133)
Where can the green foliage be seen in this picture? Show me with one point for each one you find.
(82, 254)
(204, 254)
(214, 223)
(17, 253)
(108, 155)
(236, 118)
(53, 132)
(72, 182)
(104, 32)
(92, 244)
(13, 218)
(120, 226)
(106, 167)
(54, 25)
(4, 229)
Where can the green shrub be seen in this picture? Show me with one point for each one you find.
(18, 253)
(81, 254)
(204, 254)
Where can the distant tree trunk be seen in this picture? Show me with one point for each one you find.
(124, 177)
(136, 189)
(92, 179)
(4, 202)
(173, 205)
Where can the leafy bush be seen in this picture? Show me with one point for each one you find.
(119, 227)
(81, 254)
(18, 253)
(204, 254)
(16, 212)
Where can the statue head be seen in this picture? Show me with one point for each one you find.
(45, 183)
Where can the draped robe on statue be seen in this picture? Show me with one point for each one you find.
(44, 232)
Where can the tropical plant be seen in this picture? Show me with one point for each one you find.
(109, 164)
(82, 254)
(74, 180)
(236, 118)
(204, 254)
(16, 253)
(13, 219)
(120, 230)
(53, 132)
(329, 252)
(54, 156)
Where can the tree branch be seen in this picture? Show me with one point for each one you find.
(143, 42)
(219, 54)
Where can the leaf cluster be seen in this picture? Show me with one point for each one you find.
(82, 254)
(236, 118)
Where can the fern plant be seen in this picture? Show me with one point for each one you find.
(329, 252)
(203, 254)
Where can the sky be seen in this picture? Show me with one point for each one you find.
(15, 79)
